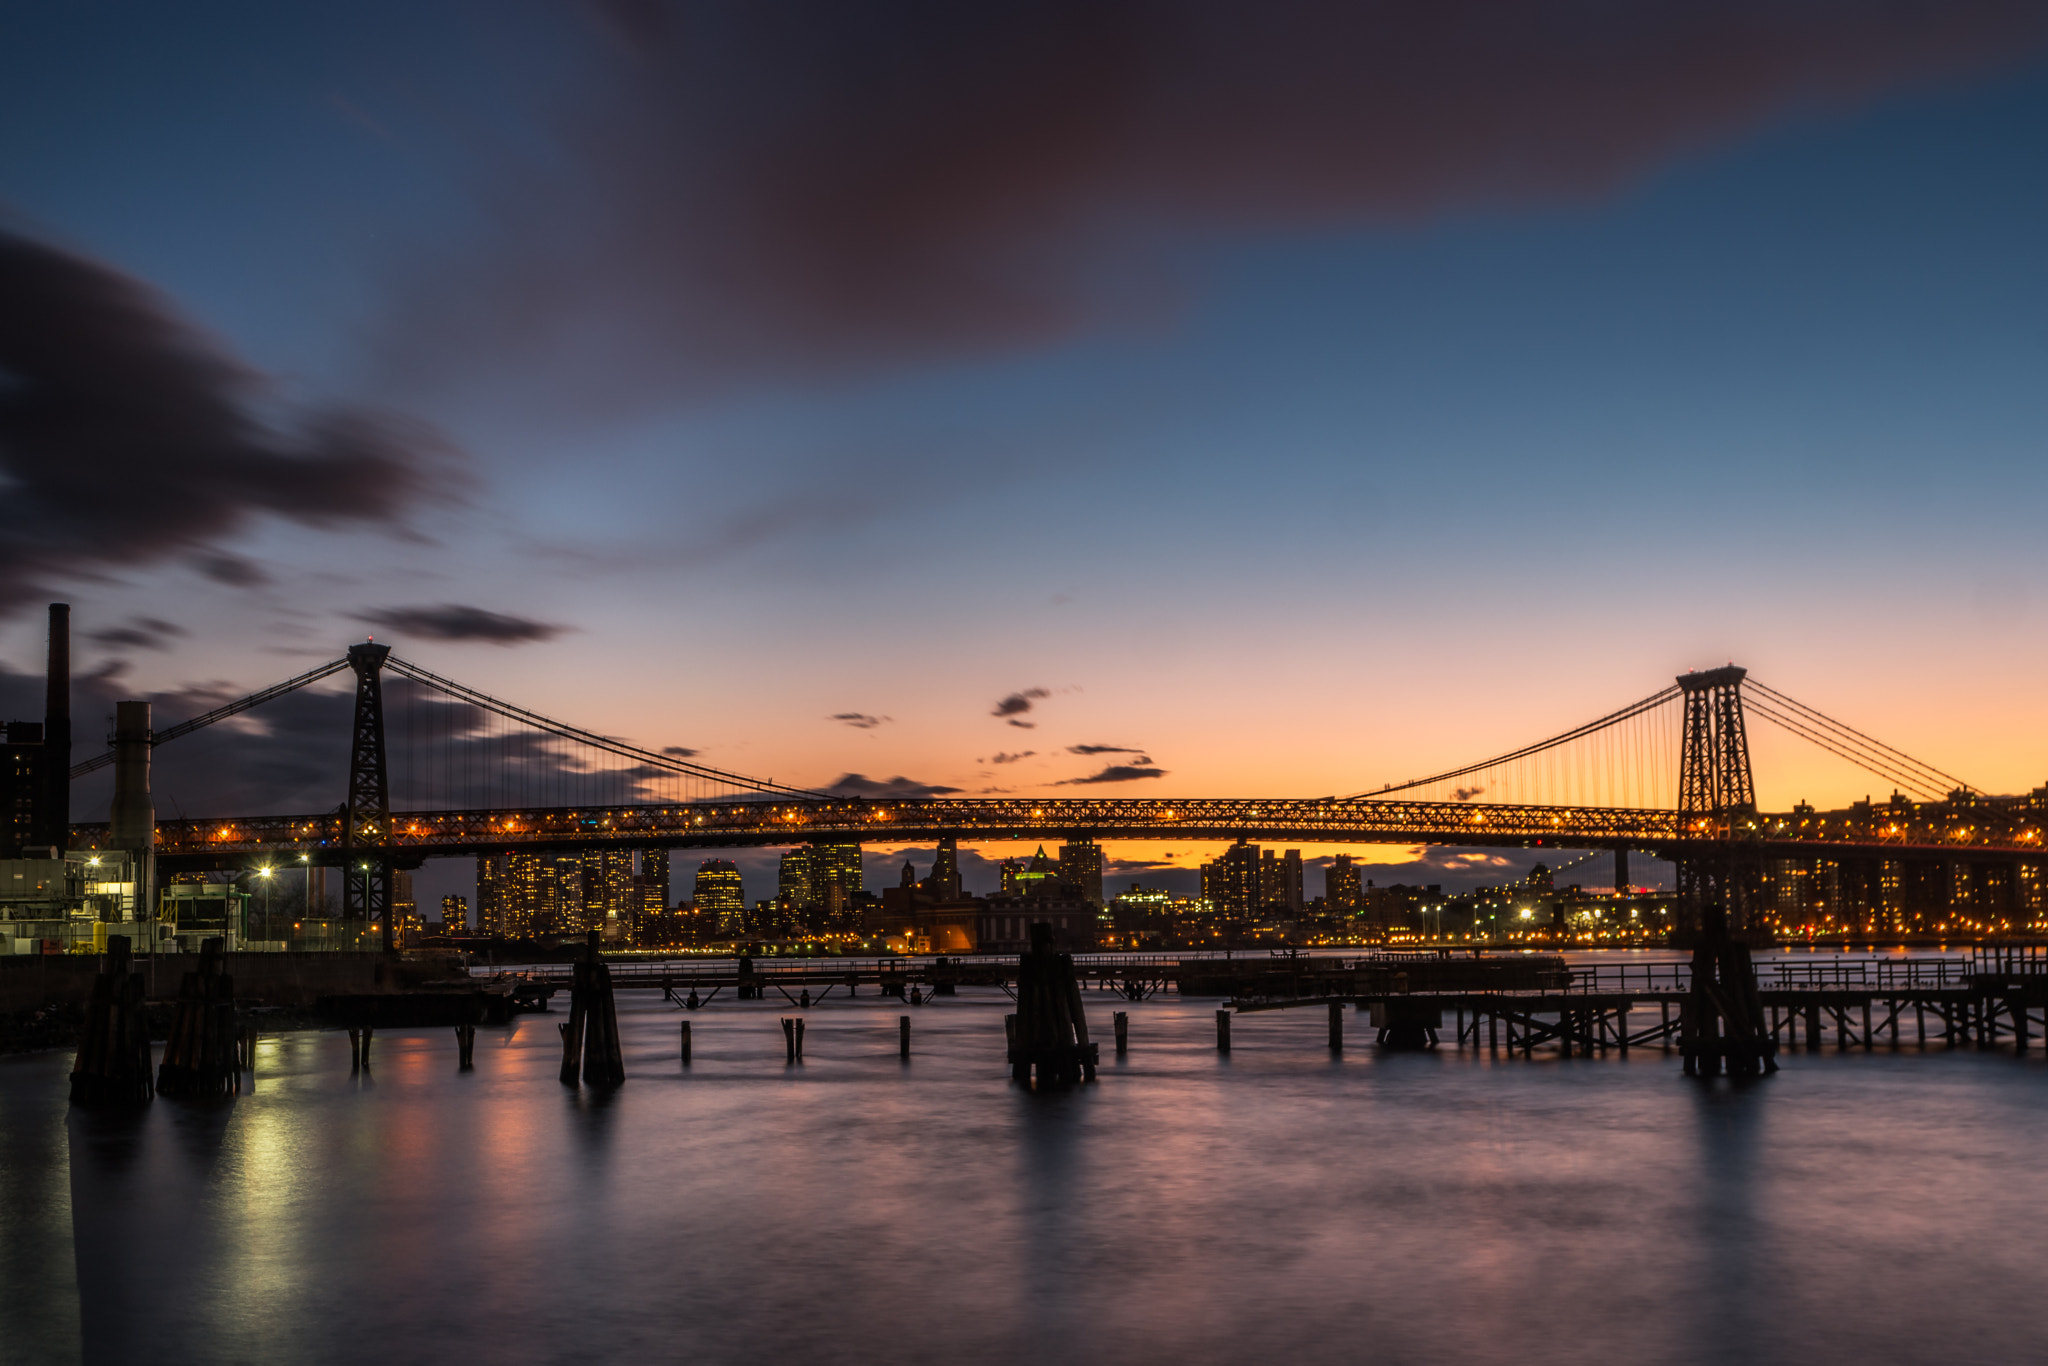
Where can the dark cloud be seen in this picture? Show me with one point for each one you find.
(1011, 758)
(128, 437)
(860, 785)
(1017, 704)
(860, 720)
(140, 633)
(452, 621)
(1465, 794)
(680, 751)
(1115, 773)
(1104, 749)
(232, 570)
(749, 189)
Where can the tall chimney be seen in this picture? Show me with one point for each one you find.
(56, 801)
(131, 821)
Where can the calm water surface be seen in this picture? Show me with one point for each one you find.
(1275, 1204)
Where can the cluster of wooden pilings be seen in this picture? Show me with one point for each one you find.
(200, 1055)
(113, 1051)
(590, 1040)
(1048, 1035)
(1723, 1020)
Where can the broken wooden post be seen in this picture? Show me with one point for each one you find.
(199, 1055)
(903, 1037)
(465, 1045)
(686, 1043)
(1122, 1021)
(590, 1041)
(1222, 1031)
(113, 1051)
(788, 1039)
(1337, 1027)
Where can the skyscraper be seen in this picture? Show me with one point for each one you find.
(454, 914)
(1289, 888)
(796, 881)
(1081, 863)
(944, 882)
(651, 884)
(720, 895)
(838, 884)
(1231, 884)
(494, 894)
(1342, 888)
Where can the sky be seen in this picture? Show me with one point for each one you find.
(1279, 399)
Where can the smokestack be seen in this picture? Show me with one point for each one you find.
(56, 802)
(131, 821)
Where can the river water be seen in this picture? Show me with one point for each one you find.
(1279, 1203)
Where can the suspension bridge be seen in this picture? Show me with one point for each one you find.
(437, 768)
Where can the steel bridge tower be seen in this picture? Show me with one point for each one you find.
(1717, 801)
(366, 815)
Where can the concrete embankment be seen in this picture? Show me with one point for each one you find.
(31, 981)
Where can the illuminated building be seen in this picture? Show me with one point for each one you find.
(838, 886)
(651, 884)
(944, 882)
(454, 914)
(404, 908)
(720, 896)
(796, 882)
(1042, 895)
(1343, 886)
(1081, 861)
(20, 776)
(1232, 884)
(494, 894)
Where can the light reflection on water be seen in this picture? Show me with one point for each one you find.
(1277, 1203)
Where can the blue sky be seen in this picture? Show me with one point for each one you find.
(1300, 484)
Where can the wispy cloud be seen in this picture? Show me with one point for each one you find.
(1115, 773)
(860, 785)
(453, 621)
(1017, 704)
(860, 720)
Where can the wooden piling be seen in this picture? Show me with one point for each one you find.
(1868, 1042)
(1052, 1025)
(793, 1037)
(1337, 1026)
(465, 1046)
(199, 1055)
(1122, 1021)
(1222, 1031)
(686, 1043)
(903, 1037)
(590, 1041)
(112, 1066)
(1722, 1019)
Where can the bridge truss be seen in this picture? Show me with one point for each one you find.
(614, 793)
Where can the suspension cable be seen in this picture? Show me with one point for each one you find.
(605, 743)
(1634, 709)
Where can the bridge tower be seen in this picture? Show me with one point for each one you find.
(1716, 801)
(366, 815)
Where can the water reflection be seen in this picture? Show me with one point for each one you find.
(1278, 1203)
